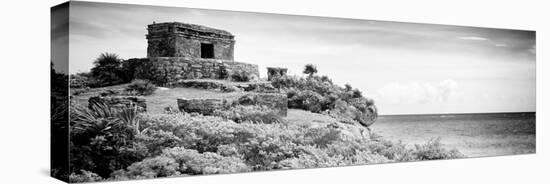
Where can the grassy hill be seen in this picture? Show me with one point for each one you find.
(111, 144)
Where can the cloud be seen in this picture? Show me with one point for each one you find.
(500, 45)
(418, 92)
(474, 38)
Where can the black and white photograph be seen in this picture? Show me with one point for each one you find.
(142, 92)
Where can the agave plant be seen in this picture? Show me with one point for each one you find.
(129, 116)
(103, 119)
(98, 118)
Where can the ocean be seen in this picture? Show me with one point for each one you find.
(475, 135)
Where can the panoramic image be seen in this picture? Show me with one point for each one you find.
(166, 91)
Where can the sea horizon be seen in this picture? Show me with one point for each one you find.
(468, 113)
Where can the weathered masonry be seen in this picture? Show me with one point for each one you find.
(178, 51)
(189, 40)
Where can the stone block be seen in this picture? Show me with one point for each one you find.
(204, 106)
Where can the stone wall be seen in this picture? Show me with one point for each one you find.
(165, 71)
(121, 101)
(175, 39)
(206, 106)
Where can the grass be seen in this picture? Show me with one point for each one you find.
(474, 139)
(163, 97)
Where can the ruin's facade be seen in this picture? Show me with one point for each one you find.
(179, 51)
(177, 39)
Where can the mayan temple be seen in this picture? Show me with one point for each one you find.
(179, 51)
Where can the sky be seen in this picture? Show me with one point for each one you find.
(406, 68)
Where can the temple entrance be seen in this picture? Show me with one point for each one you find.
(207, 50)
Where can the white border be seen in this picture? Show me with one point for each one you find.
(25, 90)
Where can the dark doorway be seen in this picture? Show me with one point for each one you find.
(207, 50)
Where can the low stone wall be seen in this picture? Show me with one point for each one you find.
(120, 101)
(205, 106)
(226, 86)
(165, 71)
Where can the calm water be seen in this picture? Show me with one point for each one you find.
(475, 135)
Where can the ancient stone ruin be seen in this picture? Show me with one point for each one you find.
(276, 101)
(178, 51)
(176, 39)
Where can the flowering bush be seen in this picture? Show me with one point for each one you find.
(178, 160)
(178, 144)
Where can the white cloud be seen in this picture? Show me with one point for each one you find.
(418, 92)
(474, 38)
(500, 45)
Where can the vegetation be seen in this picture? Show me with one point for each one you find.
(140, 87)
(250, 113)
(114, 144)
(310, 69)
(107, 70)
(118, 143)
(240, 76)
(319, 94)
(80, 80)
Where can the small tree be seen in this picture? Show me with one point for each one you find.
(348, 87)
(107, 70)
(357, 93)
(310, 69)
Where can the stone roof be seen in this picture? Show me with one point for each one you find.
(194, 27)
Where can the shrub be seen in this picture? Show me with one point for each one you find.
(307, 100)
(140, 87)
(102, 138)
(178, 160)
(107, 70)
(357, 93)
(310, 69)
(80, 80)
(251, 113)
(322, 137)
(160, 166)
(157, 140)
(318, 94)
(84, 176)
(193, 162)
(240, 76)
(78, 91)
(224, 72)
(433, 150)
(176, 144)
